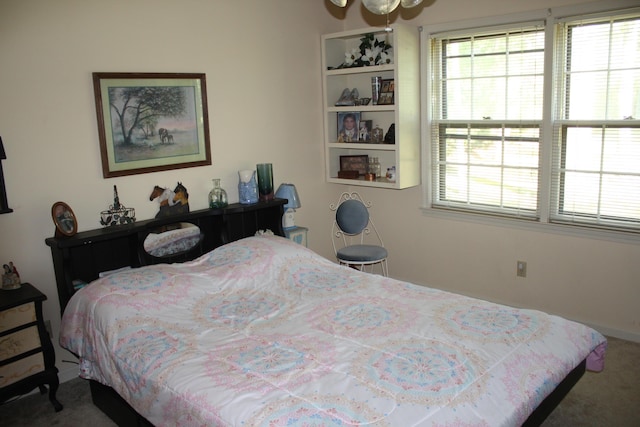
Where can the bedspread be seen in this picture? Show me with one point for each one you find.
(264, 332)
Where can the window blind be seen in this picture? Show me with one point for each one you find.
(596, 131)
(486, 117)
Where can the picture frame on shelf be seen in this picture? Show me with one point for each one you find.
(354, 163)
(348, 125)
(387, 89)
(364, 130)
(64, 219)
(173, 134)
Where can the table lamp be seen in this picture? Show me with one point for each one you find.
(289, 192)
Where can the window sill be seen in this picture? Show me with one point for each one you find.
(532, 225)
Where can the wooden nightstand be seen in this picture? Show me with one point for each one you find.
(27, 358)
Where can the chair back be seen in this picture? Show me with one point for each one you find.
(352, 216)
(352, 223)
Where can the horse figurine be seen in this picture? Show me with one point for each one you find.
(165, 196)
(171, 202)
(181, 194)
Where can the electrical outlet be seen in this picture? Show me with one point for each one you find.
(47, 326)
(521, 269)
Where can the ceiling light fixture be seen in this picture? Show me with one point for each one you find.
(381, 7)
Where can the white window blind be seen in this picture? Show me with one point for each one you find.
(596, 134)
(487, 107)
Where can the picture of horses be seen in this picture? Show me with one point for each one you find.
(151, 121)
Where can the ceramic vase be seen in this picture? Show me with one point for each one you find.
(265, 181)
(247, 187)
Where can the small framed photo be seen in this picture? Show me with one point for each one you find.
(348, 125)
(364, 130)
(385, 99)
(64, 219)
(354, 163)
(387, 89)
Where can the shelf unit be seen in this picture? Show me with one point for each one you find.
(404, 113)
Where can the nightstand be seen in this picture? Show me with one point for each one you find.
(27, 357)
(297, 234)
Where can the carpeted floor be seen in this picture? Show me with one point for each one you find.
(609, 398)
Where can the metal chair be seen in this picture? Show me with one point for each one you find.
(356, 241)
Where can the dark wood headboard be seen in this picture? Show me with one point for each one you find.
(85, 255)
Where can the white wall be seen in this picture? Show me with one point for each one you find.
(591, 280)
(262, 61)
(262, 66)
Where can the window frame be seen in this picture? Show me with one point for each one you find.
(543, 223)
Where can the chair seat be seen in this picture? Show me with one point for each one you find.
(362, 253)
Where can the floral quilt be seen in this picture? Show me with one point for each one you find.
(264, 332)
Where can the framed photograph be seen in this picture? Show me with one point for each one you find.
(387, 89)
(149, 122)
(354, 163)
(364, 130)
(348, 125)
(64, 219)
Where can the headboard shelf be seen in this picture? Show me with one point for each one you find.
(85, 255)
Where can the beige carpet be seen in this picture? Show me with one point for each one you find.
(610, 398)
(607, 399)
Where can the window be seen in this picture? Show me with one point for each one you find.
(596, 161)
(492, 127)
(487, 131)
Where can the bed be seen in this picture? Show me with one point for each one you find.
(264, 332)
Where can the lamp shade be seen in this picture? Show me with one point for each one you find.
(289, 192)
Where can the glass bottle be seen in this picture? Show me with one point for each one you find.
(217, 195)
(377, 135)
(374, 167)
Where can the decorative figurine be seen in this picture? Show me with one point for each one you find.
(390, 137)
(171, 202)
(117, 214)
(10, 277)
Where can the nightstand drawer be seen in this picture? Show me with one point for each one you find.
(20, 369)
(19, 342)
(17, 316)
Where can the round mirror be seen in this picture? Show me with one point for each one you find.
(172, 239)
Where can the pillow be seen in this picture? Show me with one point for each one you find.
(172, 242)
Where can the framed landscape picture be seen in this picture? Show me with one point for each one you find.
(149, 122)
